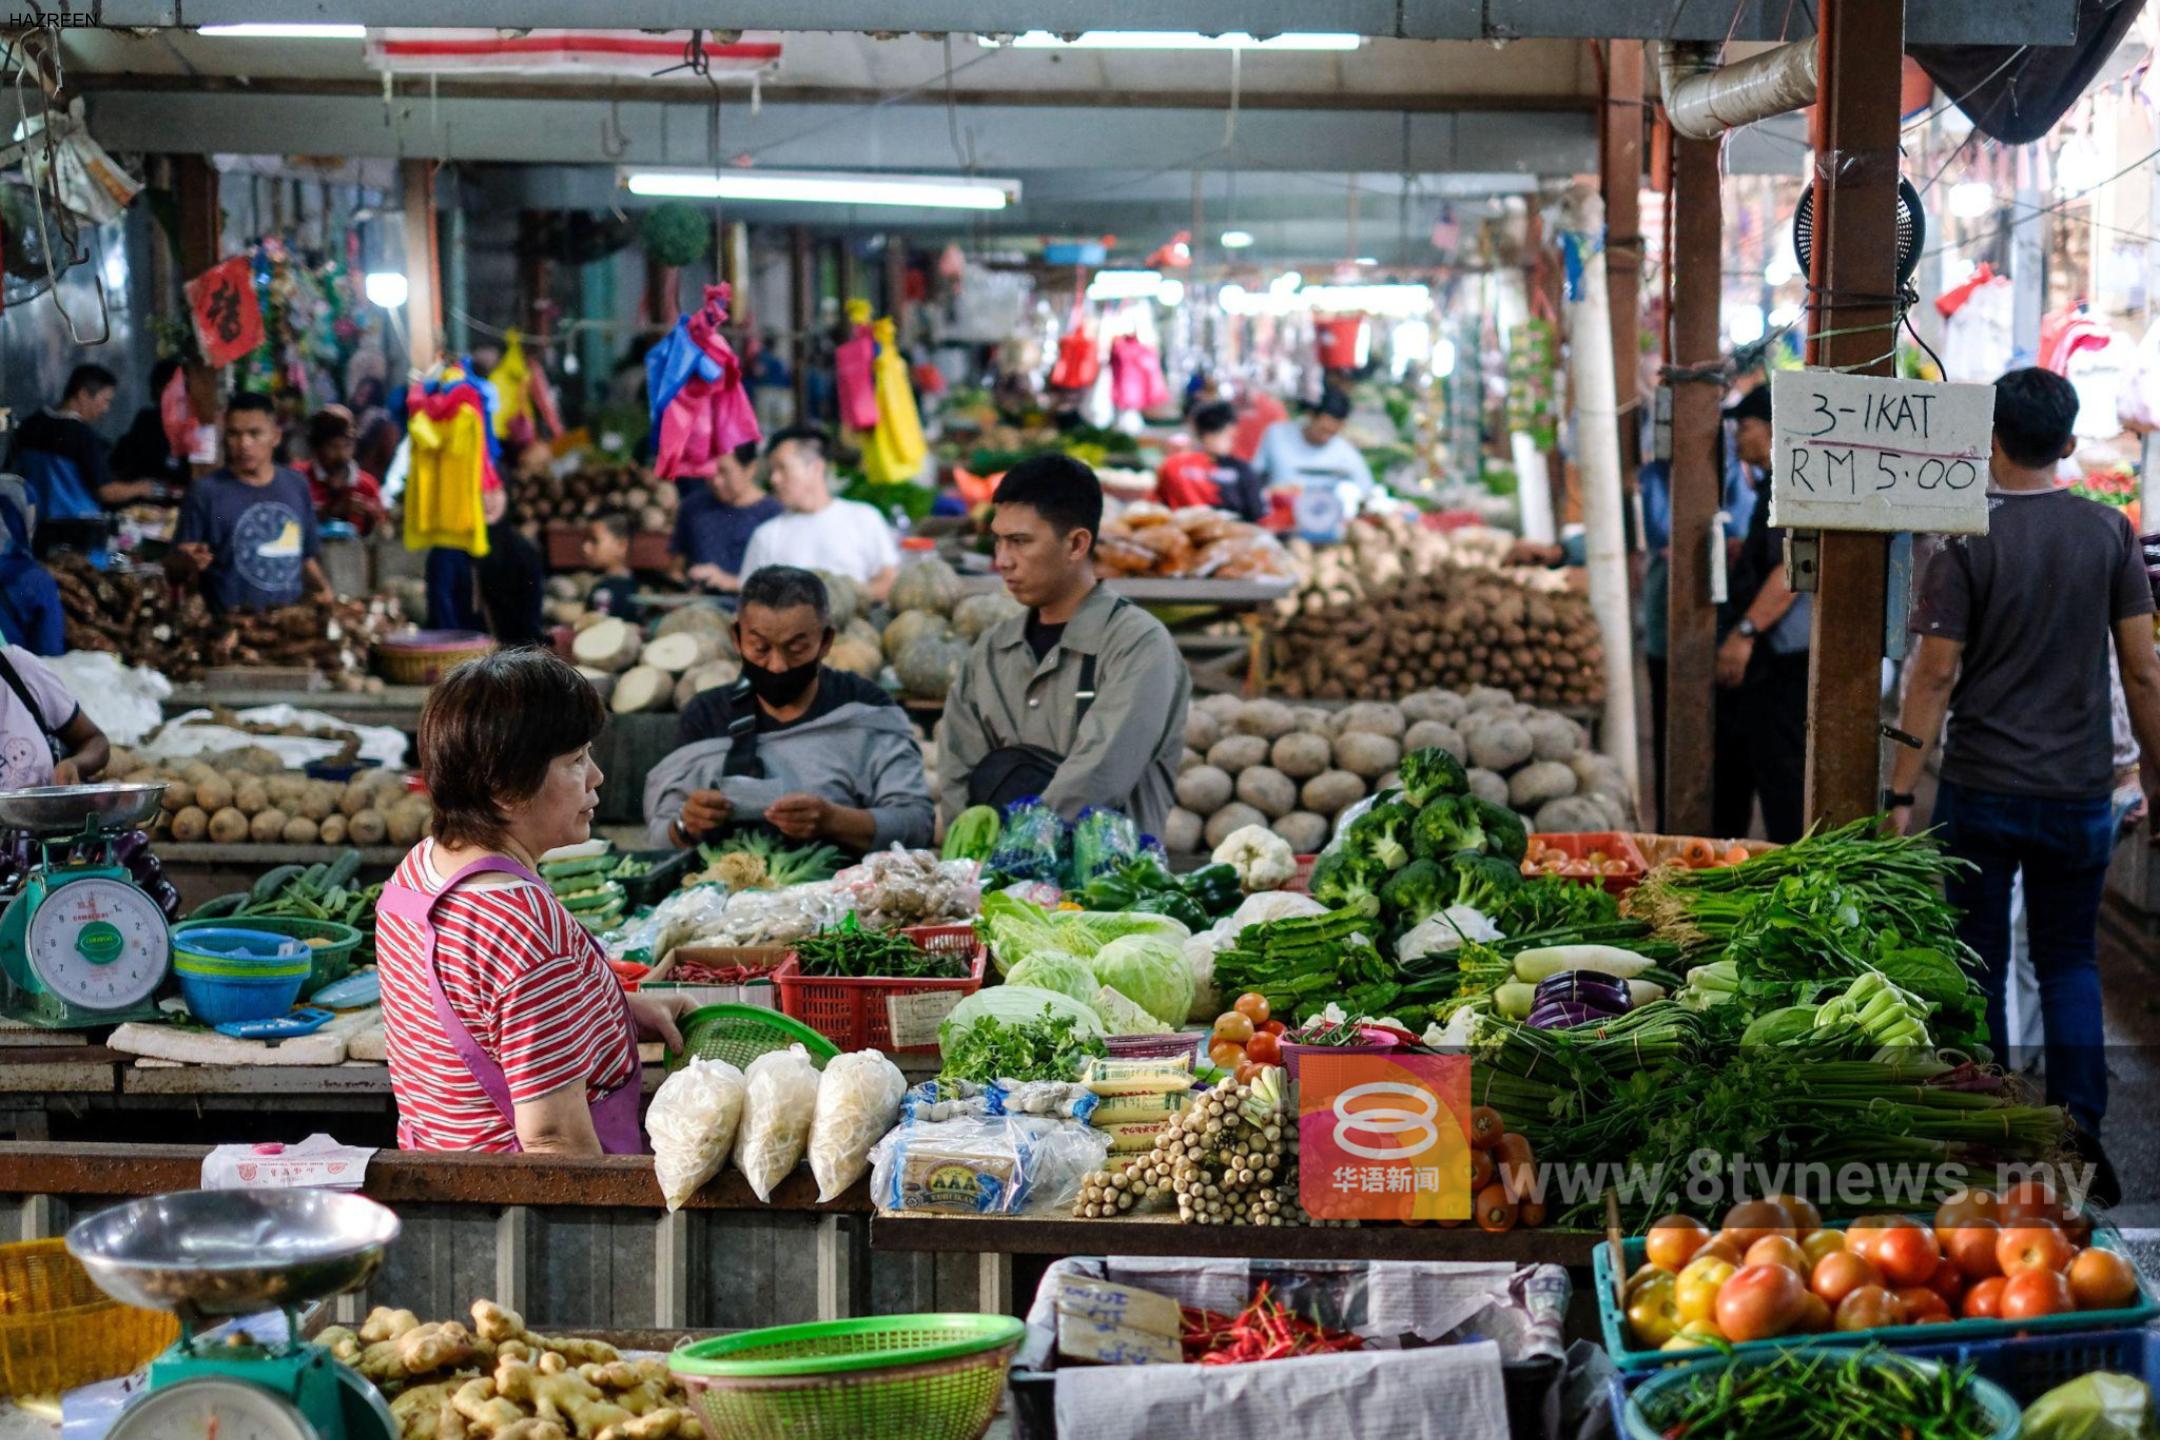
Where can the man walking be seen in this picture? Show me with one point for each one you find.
(2014, 630)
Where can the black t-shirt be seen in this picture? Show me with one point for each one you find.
(512, 577)
(71, 439)
(1042, 638)
(615, 595)
(708, 716)
(1242, 493)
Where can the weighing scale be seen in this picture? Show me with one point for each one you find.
(213, 1254)
(80, 944)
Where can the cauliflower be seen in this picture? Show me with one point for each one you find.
(1444, 932)
(1262, 858)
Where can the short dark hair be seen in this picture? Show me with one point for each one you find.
(328, 425)
(88, 377)
(1332, 403)
(2035, 411)
(783, 587)
(251, 401)
(809, 435)
(489, 731)
(1062, 490)
(1214, 418)
(746, 454)
(615, 523)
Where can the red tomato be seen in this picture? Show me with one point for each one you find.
(1906, 1255)
(2034, 1245)
(1760, 1302)
(1673, 1241)
(1984, 1300)
(1922, 1306)
(1234, 1026)
(1226, 1056)
(1274, 1027)
(1868, 1308)
(1865, 1232)
(2102, 1280)
(1254, 1007)
(2029, 1200)
(1972, 1246)
(1265, 1049)
(1751, 1220)
(1840, 1273)
(2036, 1293)
(1948, 1281)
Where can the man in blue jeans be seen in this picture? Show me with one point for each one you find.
(2014, 631)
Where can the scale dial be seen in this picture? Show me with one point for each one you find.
(98, 943)
(212, 1409)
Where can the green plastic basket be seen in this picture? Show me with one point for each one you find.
(2003, 1411)
(925, 1377)
(739, 1034)
(331, 961)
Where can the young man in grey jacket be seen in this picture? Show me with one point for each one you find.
(814, 753)
(1082, 699)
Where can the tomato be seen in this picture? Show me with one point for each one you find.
(1984, 1300)
(2102, 1280)
(1922, 1306)
(1972, 1246)
(1234, 1026)
(1247, 1072)
(1804, 1213)
(1486, 1127)
(1906, 1255)
(1695, 1335)
(1760, 1302)
(1868, 1308)
(1254, 1007)
(2028, 1200)
(1836, 1276)
(1652, 1319)
(1696, 1291)
(1818, 1243)
(1815, 1314)
(2078, 1228)
(1495, 1212)
(1868, 1229)
(1274, 1027)
(2035, 1293)
(1963, 1207)
(1948, 1281)
(1264, 1049)
(1750, 1220)
(1226, 1055)
(1721, 1247)
(1778, 1250)
(1530, 1213)
(2033, 1245)
(1673, 1241)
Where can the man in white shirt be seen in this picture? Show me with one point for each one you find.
(1313, 457)
(819, 532)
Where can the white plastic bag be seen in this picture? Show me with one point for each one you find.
(858, 1099)
(692, 1120)
(778, 1102)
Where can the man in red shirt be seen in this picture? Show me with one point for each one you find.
(1212, 475)
(340, 488)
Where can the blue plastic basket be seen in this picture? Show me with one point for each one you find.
(1612, 1322)
(2003, 1406)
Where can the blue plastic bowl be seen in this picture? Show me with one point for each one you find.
(234, 950)
(222, 999)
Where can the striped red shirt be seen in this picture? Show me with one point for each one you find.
(527, 982)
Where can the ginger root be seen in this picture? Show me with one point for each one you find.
(344, 1346)
(489, 1413)
(383, 1323)
(421, 1350)
(533, 1429)
(494, 1324)
(655, 1425)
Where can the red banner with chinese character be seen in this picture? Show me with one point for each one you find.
(1384, 1137)
(228, 322)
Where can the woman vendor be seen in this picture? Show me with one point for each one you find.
(815, 753)
(506, 1030)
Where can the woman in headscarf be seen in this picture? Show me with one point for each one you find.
(30, 613)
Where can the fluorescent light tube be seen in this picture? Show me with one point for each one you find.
(936, 192)
(298, 30)
(1181, 40)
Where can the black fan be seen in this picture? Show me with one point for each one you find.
(1911, 231)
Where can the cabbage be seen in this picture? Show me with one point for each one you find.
(1087, 931)
(1015, 929)
(1151, 971)
(1014, 1005)
(1123, 1017)
(1056, 970)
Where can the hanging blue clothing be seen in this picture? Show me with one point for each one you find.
(30, 612)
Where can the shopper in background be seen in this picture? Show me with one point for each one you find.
(1082, 699)
(65, 462)
(820, 531)
(247, 531)
(2014, 628)
(814, 753)
(606, 548)
(341, 489)
(1212, 475)
(1314, 459)
(512, 577)
(30, 612)
(1762, 664)
(145, 452)
(716, 518)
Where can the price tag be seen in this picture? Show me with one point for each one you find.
(1866, 452)
(914, 1018)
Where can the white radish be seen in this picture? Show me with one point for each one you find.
(680, 652)
(698, 680)
(642, 688)
(608, 644)
(1536, 965)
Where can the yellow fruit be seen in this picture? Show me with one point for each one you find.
(1651, 1318)
(1695, 1292)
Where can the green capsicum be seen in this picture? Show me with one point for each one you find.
(1214, 888)
(1174, 903)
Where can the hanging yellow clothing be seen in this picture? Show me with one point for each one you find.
(448, 434)
(896, 448)
(512, 378)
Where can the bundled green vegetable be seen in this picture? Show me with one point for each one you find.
(1049, 1045)
(1873, 1393)
(849, 952)
(752, 860)
(973, 834)
(1302, 964)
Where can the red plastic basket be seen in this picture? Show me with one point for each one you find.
(851, 1013)
(1612, 844)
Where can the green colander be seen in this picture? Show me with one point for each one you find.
(739, 1034)
(925, 1377)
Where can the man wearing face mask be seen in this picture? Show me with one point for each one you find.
(793, 747)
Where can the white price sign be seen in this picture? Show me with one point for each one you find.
(1866, 452)
(913, 1019)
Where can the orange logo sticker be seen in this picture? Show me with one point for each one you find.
(1384, 1137)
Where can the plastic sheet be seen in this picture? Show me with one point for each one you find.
(996, 1166)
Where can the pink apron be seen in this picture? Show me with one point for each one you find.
(614, 1115)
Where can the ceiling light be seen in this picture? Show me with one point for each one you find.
(828, 187)
(387, 288)
(1172, 293)
(1236, 239)
(1125, 285)
(1971, 199)
(1286, 283)
(1365, 260)
(301, 30)
(1179, 40)
(1744, 323)
(1443, 358)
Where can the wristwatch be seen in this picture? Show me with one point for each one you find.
(1896, 799)
(1747, 628)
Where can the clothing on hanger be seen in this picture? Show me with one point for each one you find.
(855, 371)
(694, 386)
(896, 447)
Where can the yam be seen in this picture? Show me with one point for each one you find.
(228, 827)
(696, 682)
(1371, 718)
(1266, 718)
(602, 681)
(331, 831)
(214, 794)
(301, 830)
(1363, 753)
(406, 825)
(367, 828)
(642, 688)
(1188, 759)
(1434, 735)
(1234, 816)
(1181, 831)
(609, 644)
(1501, 745)
(1224, 707)
(1329, 792)
(1233, 753)
(1484, 697)
(1487, 785)
(190, 823)
(178, 796)
(358, 796)
(1538, 782)
(1568, 815)
(251, 796)
(1201, 729)
(1300, 756)
(1303, 831)
(684, 650)
(1309, 720)
(706, 617)
(1267, 790)
(196, 771)
(1445, 706)
(1204, 789)
(1553, 737)
(268, 826)
(319, 800)
(286, 790)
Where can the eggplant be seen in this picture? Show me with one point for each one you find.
(146, 869)
(1563, 1015)
(129, 845)
(1589, 988)
(167, 898)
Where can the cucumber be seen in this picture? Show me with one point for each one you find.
(342, 870)
(221, 907)
(273, 881)
(312, 878)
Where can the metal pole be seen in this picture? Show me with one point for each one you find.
(423, 303)
(1851, 289)
(801, 279)
(1694, 250)
(1621, 156)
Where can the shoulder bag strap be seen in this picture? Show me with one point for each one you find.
(14, 680)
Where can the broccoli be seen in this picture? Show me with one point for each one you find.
(1417, 890)
(1429, 774)
(1343, 880)
(1483, 882)
(1505, 834)
(1383, 833)
(1450, 825)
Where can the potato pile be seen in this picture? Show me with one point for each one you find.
(584, 494)
(239, 797)
(496, 1380)
(1294, 768)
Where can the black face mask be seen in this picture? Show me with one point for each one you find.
(780, 687)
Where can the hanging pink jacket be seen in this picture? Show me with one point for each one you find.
(710, 413)
(854, 376)
(1136, 378)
